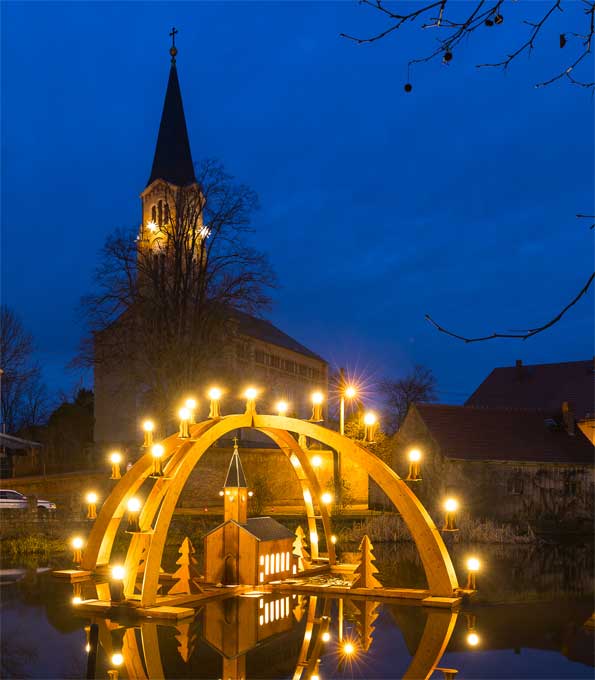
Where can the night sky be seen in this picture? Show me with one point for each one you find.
(377, 206)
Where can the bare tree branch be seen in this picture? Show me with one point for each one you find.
(454, 27)
(520, 334)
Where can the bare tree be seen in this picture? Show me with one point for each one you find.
(165, 299)
(418, 386)
(24, 399)
(452, 23)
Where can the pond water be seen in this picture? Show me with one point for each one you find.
(526, 622)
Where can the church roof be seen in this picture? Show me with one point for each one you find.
(235, 473)
(267, 529)
(173, 159)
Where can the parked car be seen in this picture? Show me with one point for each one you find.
(13, 500)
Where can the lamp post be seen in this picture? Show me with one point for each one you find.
(115, 459)
(347, 392)
(215, 402)
(118, 573)
(91, 499)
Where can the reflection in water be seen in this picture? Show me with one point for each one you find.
(268, 636)
(527, 622)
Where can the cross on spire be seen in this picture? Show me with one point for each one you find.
(173, 50)
(235, 442)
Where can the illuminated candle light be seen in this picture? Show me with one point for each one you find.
(316, 461)
(473, 566)
(327, 498)
(250, 395)
(191, 405)
(134, 506)
(148, 429)
(215, 402)
(451, 506)
(91, 499)
(281, 407)
(184, 415)
(115, 459)
(157, 451)
(370, 424)
(77, 544)
(317, 399)
(414, 464)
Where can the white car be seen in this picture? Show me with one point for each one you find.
(13, 500)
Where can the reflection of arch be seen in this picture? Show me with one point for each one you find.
(437, 632)
(181, 456)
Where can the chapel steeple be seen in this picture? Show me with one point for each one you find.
(172, 162)
(235, 490)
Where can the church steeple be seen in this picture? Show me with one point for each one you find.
(235, 498)
(173, 160)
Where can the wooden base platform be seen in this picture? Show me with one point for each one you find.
(72, 574)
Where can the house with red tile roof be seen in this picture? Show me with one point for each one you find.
(507, 464)
(546, 387)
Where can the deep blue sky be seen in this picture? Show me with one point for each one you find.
(377, 206)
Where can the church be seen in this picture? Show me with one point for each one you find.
(250, 551)
(260, 352)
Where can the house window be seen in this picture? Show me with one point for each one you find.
(275, 361)
(277, 563)
(287, 561)
(261, 564)
(303, 370)
(514, 484)
(266, 565)
(160, 213)
(259, 356)
(261, 577)
(571, 487)
(289, 366)
(243, 350)
(154, 214)
(315, 374)
(261, 620)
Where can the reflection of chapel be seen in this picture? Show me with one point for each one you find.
(260, 352)
(246, 550)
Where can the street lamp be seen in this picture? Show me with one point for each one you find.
(348, 392)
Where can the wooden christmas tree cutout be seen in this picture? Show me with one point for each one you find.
(300, 550)
(366, 616)
(187, 639)
(365, 569)
(187, 575)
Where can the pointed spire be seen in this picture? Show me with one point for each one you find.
(173, 159)
(235, 473)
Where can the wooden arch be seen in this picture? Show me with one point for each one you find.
(180, 458)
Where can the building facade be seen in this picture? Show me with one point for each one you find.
(256, 351)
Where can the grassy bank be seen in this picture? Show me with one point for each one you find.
(390, 528)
